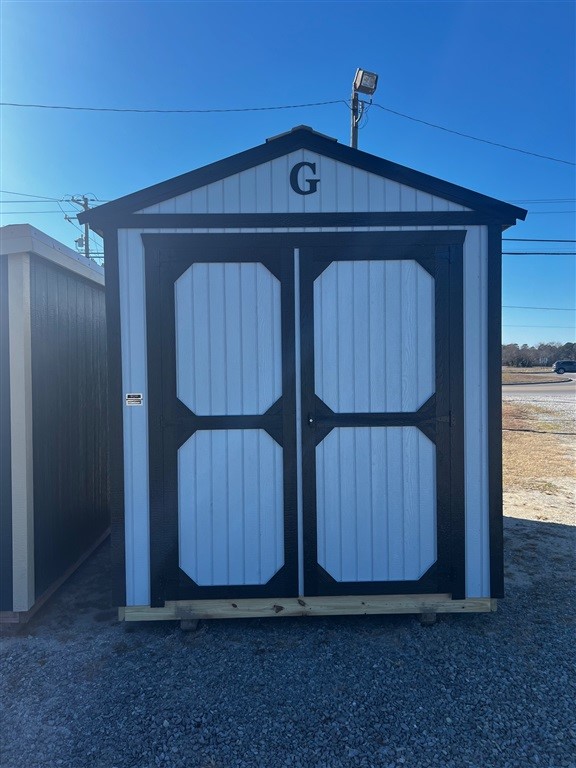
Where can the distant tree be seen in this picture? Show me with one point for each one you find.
(545, 353)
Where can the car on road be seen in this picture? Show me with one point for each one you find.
(564, 366)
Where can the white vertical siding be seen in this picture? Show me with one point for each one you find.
(476, 412)
(228, 339)
(374, 331)
(266, 189)
(230, 507)
(134, 379)
(376, 503)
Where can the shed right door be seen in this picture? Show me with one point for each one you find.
(382, 444)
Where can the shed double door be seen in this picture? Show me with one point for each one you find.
(305, 414)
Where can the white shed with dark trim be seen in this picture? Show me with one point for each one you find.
(304, 347)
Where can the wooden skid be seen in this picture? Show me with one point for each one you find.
(309, 606)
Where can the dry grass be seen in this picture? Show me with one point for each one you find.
(540, 460)
(530, 376)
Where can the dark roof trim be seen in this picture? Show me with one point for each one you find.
(300, 138)
(302, 220)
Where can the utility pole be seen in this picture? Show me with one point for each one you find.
(364, 82)
(354, 120)
(83, 201)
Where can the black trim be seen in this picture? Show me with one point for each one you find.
(115, 419)
(494, 374)
(6, 593)
(145, 221)
(171, 423)
(300, 138)
(441, 418)
(291, 240)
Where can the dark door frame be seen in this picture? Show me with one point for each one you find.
(167, 256)
(441, 417)
(171, 423)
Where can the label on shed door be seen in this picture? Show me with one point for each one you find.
(134, 398)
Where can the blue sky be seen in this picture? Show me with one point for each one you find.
(503, 71)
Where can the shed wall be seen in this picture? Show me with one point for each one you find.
(69, 411)
(134, 379)
(5, 451)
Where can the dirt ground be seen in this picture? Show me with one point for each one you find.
(539, 466)
(539, 462)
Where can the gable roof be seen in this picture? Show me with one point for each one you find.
(301, 137)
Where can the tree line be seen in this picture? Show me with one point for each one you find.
(544, 354)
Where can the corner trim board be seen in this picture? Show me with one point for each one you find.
(20, 344)
(494, 365)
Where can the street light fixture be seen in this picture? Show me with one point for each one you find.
(364, 82)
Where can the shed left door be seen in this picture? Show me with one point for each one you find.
(220, 320)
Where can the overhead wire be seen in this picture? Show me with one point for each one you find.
(558, 309)
(535, 240)
(213, 110)
(474, 138)
(174, 111)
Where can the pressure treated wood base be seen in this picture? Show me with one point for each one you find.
(190, 610)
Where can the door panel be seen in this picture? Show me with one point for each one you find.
(381, 417)
(230, 507)
(221, 417)
(228, 338)
(374, 336)
(376, 504)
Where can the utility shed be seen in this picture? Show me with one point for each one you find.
(304, 356)
(53, 415)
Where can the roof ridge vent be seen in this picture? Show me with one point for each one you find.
(301, 128)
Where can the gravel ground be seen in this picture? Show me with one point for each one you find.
(80, 690)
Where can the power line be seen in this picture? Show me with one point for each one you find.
(534, 240)
(548, 213)
(558, 309)
(279, 107)
(543, 327)
(474, 138)
(550, 200)
(173, 111)
(25, 194)
(538, 253)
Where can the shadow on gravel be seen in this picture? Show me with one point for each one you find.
(536, 553)
(81, 690)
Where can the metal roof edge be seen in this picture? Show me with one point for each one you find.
(24, 238)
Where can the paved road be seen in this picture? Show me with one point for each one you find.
(564, 390)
